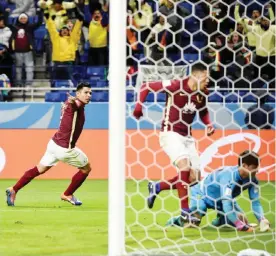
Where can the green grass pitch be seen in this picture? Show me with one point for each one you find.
(41, 224)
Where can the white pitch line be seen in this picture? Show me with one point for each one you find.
(172, 247)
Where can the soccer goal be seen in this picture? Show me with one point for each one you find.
(160, 41)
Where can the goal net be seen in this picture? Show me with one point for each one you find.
(236, 41)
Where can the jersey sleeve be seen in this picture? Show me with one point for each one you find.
(171, 85)
(254, 196)
(161, 86)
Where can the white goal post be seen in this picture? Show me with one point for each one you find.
(117, 110)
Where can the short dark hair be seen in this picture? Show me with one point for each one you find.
(249, 157)
(198, 67)
(81, 85)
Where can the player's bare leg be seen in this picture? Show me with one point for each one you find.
(23, 181)
(155, 188)
(182, 187)
(76, 182)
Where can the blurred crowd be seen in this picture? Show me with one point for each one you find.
(236, 39)
(66, 28)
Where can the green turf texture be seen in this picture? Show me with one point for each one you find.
(41, 224)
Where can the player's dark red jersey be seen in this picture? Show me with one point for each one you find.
(182, 104)
(71, 125)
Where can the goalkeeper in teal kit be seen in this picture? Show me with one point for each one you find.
(219, 190)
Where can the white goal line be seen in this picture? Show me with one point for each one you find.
(169, 249)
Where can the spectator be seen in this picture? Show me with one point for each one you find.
(175, 14)
(6, 60)
(265, 47)
(58, 9)
(5, 95)
(95, 5)
(23, 44)
(98, 30)
(5, 32)
(240, 29)
(216, 55)
(23, 6)
(217, 17)
(225, 56)
(142, 17)
(211, 56)
(242, 56)
(79, 47)
(253, 21)
(174, 11)
(132, 44)
(157, 40)
(237, 44)
(235, 41)
(64, 46)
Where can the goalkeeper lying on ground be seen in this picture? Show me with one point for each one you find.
(219, 190)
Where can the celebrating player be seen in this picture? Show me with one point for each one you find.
(62, 147)
(184, 99)
(219, 190)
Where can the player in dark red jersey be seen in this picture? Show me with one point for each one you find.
(62, 147)
(184, 99)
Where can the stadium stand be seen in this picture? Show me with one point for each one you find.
(189, 45)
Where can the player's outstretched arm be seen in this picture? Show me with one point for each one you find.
(253, 192)
(169, 86)
(228, 204)
(258, 212)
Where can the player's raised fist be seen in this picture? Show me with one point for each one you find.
(138, 111)
(210, 130)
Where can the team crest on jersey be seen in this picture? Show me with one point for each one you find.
(189, 108)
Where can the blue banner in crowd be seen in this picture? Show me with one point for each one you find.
(47, 115)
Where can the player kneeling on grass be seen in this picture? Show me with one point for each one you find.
(62, 147)
(219, 190)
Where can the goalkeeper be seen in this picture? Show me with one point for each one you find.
(219, 190)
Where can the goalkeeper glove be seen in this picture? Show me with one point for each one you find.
(175, 221)
(264, 225)
(138, 111)
(241, 226)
